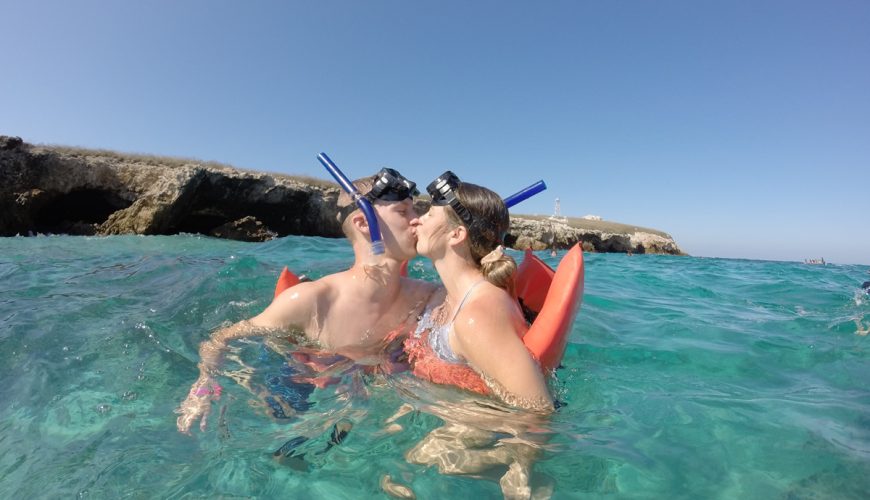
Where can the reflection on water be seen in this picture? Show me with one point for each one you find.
(684, 377)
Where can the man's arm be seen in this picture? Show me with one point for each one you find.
(292, 309)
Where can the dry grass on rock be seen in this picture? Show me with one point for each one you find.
(598, 225)
(172, 162)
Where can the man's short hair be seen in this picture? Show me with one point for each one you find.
(346, 205)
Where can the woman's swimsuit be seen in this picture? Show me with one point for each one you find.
(433, 359)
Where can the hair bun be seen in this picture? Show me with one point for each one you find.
(493, 256)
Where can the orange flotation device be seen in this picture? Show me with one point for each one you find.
(552, 297)
(555, 297)
(285, 280)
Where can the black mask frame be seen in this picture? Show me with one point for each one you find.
(390, 185)
(442, 191)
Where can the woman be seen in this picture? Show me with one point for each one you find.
(470, 334)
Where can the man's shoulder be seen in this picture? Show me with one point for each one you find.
(336, 286)
(320, 288)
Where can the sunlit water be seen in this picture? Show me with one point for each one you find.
(684, 378)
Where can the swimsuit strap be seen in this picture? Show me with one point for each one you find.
(462, 302)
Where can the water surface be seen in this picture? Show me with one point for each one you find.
(684, 378)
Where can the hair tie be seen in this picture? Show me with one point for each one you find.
(493, 256)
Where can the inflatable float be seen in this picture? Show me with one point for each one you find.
(550, 299)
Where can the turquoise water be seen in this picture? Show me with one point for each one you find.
(685, 378)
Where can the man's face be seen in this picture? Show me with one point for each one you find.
(397, 232)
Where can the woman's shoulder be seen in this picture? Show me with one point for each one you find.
(491, 310)
(491, 297)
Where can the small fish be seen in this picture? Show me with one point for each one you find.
(339, 432)
(288, 448)
(223, 426)
(287, 454)
(290, 454)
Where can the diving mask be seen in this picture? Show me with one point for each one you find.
(390, 185)
(443, 192)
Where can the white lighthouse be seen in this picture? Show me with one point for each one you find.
(557, 212)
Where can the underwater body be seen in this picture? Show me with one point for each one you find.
(684, 377)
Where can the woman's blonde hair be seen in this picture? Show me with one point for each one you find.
(490, 223)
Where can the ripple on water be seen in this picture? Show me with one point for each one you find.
(684, 377)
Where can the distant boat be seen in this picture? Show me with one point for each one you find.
(817, 262)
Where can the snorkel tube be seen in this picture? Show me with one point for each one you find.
(360, 200)
(525, 194)
(522, 195)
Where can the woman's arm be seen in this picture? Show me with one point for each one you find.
(486, 334)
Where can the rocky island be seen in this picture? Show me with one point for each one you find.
(63, 190)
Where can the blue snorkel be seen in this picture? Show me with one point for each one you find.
(365, 205)
(361, 201)
(525, 194)
(442, 192)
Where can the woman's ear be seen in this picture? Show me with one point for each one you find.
(458, 234)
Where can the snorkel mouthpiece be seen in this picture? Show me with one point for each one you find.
(361, 201)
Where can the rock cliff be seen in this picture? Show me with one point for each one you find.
(540, 233)
(46, 189)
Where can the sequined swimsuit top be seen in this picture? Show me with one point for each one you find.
(439, 334)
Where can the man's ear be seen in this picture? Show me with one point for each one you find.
(359, 221)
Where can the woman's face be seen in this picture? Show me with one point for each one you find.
(432, 228)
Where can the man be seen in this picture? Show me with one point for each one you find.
(352, 313)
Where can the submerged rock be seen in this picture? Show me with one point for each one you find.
(46, 189)
(245, 229)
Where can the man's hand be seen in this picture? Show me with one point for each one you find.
(198, 404)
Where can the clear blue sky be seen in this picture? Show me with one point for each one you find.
(742, 128)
